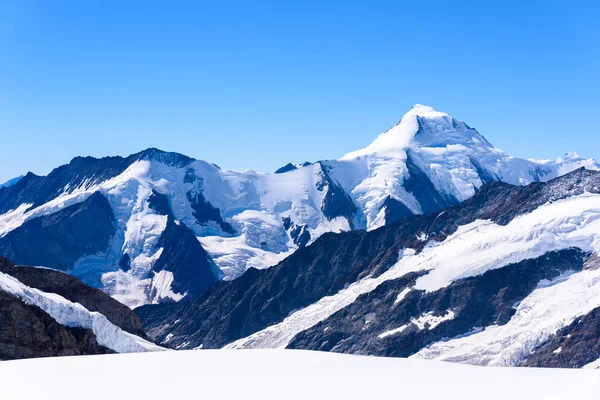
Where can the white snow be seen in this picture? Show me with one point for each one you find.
(272, 375)
(402, 295)
(593, 365)
(393, 331)
(161, 287)
(430, 321)
(72, 314)
(425, 321)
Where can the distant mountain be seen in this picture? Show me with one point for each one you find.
(508, 277)
(168, 227)
(11, 182)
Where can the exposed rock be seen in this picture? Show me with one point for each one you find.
(572, 347)
(337, 203)
(287, 167)
(299, 234)
(26, 331)
(182, 254)
(395, 210)
(419, 184)
(204, 212)
(76, 291)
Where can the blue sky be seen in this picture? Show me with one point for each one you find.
(255, 84)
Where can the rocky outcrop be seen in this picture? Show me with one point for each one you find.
(182, 254)
(394, 210)
(26, 332)
(421, 187)
(204, 212)
(572, 347)
(299, 234)
(73, 289)
(336, 202)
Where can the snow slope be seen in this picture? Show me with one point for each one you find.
(472, 250)
(251, 219)
(286, 374)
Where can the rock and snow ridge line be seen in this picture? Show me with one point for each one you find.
(247, 219)
(72, 314)
(471, 251)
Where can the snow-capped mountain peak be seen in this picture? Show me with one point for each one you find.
(422, 126)
(424, 111)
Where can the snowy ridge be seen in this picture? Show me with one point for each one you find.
(472, 250)
(72, 314)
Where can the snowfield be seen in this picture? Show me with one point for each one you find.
(282, 374)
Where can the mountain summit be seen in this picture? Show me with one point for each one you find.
(169, 226)
(412, 130)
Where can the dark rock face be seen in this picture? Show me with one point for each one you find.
(290, 167)
(204, 211)
(299, 234)
(484, 175)
(572, 347)
(257, 299)
(26, 332)
(419, 184)
(73, 289)
(58, 240)
(478, 301)
(337, 203)
(395, 210)
(183, 255)
(164, 157)
(287, 167)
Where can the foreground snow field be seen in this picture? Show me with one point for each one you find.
(277, 374)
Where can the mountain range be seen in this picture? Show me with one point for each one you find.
(168, 227)
(428, 243)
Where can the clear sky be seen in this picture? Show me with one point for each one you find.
(255, 84)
